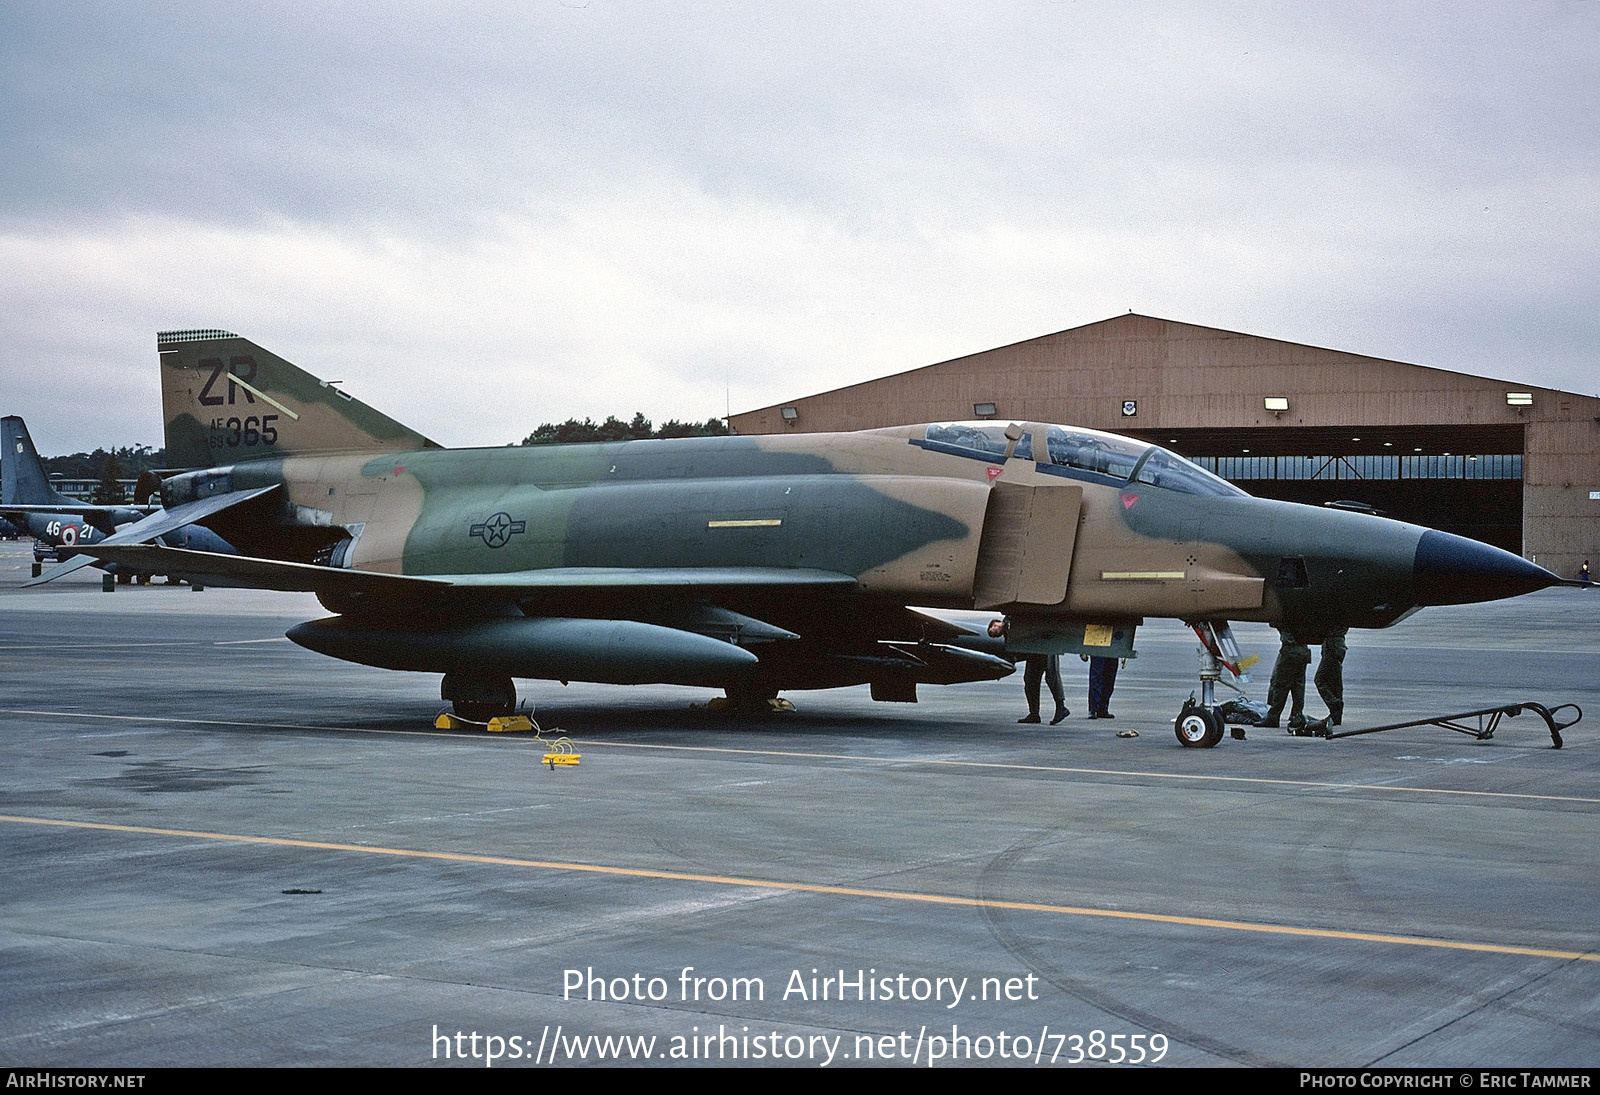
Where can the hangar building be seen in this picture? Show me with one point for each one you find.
(1511, 464)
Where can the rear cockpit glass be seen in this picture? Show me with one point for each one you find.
(977, 437)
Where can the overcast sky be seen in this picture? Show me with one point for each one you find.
(486, 216)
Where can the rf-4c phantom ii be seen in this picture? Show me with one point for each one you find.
(750, 564)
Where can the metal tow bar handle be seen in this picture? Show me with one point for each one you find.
(1487, 721)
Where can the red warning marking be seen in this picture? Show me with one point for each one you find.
(1128, 500)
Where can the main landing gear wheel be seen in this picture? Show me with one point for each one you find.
(479, 697)
(1198, 727)
(478, 712)
(749, 700)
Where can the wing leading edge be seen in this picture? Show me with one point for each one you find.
(255, 573)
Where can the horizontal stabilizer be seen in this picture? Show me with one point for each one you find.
(157, 524)
(242, 571)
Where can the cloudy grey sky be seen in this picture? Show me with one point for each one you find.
(485, 216)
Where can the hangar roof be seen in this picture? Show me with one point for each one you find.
(1176, 376)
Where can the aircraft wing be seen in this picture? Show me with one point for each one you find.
(157, 524)
(654, 578)
(80, 508)
(101, 518)
(558, 584)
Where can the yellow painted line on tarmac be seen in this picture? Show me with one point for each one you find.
(818, 888)
(795, 754)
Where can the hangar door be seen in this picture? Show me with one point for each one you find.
(1461, 479)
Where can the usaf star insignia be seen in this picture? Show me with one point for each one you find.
(498, 530)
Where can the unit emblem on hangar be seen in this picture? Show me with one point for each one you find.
(498, 530)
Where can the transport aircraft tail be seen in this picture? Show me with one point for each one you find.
(22, 478)
(226, 400)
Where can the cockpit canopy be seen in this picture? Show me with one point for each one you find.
(1082, 454)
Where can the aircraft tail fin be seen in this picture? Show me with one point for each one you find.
(226, 400)
(23, 481)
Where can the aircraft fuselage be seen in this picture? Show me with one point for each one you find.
(914, 524)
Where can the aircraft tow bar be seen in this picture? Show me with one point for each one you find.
(1487, 722)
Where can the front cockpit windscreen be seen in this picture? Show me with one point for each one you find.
(1167, 469)
(1088, 450)
(1081, 453)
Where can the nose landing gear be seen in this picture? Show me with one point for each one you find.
(1199, 725)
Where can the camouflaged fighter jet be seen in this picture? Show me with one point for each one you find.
(751, 564)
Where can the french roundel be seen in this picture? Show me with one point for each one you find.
(69, 534)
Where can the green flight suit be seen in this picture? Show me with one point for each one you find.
(1288, 680)
(1330, 674)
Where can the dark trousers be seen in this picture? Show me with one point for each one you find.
(1046, 667)
(1289, 678)
(1330, 672)
(1102, 680)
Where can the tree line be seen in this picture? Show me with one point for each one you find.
(130, 461)
(574, 432)
(107, 466)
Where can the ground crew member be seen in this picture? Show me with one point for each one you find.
(1102, 682)
(1330, 674)
(1048, 667)
(1036, 668)
(1288, 682)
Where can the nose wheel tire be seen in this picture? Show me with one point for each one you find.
(1198, 727)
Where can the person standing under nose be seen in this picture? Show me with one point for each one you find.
(1037, 668)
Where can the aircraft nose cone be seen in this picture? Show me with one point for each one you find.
(1453, 570)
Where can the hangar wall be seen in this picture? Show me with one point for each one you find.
(1202, 391)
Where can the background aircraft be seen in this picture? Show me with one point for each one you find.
(56, 522)
(753, 564)
(60, 524)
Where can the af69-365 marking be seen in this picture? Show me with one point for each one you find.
(247, 432)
